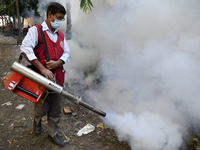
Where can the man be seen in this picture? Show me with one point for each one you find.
(33, 50)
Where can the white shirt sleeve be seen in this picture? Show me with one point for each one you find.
(29, 43)
(65, 56)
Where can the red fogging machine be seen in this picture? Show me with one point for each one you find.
(33, 86)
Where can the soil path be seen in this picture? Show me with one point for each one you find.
(16, 124)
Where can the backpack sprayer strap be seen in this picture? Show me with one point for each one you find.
(44, 44)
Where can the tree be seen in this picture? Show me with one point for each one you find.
(3, 9)
(86, 5)
(9, 7)
(32, 5)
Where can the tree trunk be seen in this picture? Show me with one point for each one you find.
(22, 24)
(14, 21)
(68, 27)
(2, 21)
(18, 18)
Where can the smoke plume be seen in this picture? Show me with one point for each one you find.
(147, 56)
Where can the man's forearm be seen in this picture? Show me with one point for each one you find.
(44, 71)
(36, 63)
(60, 62)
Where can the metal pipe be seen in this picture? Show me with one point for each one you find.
(77, 100)
(41, 80)
(36, 77)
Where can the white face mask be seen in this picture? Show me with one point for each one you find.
(56, 24)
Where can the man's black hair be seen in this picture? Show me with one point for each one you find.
(55, 8)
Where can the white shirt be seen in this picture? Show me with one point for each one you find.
(31, 40)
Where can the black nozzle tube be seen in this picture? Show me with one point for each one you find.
(86, 105)
(78, 101)
(26, 91)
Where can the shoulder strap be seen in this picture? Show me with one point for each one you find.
(20, 58)
(45, 45)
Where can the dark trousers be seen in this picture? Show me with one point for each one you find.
(52, 108)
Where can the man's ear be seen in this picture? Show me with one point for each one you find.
(49, 14)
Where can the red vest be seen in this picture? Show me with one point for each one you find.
(55, 51)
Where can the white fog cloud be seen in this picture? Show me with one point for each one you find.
(147, 53)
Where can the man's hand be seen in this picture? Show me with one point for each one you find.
(53, 64)
(44, 71)
(48, 74)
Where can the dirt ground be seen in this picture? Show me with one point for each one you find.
(16, 124)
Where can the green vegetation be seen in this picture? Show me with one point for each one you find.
(8, 7)
(86, 5)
